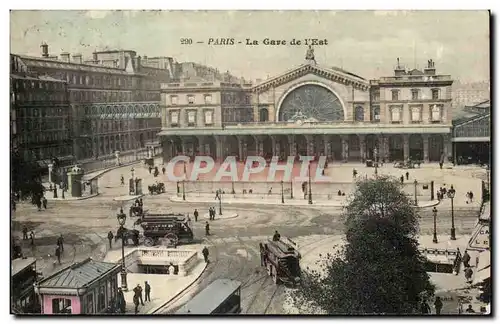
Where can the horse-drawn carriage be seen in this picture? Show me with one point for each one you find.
(409, 164)
(172, 229)
(157, 188)
(127, 234)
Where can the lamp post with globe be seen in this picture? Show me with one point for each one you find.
(121, 221)
(451, 195)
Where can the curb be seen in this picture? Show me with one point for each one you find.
(153, 311)
(217, 217)
(132, 198)
(73, 199)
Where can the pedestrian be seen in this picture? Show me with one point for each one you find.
(276, 236)
(60, 243)
(122, 180)
(438, 304)
(150, 169)
(213, 213)
(58, 254)
(210, 213)
(471, 196)
(205, 254)
(441, 165)
(207, 229)
(32, 237)
(354, 173)
(195, 215)
(110, 239)
(402, 179)
(136, 303)
(466, 259)
(38, 203)
(217, 194)
(468, 275)
(424, 308)
(470, 310)
(141, 203)
(25, 232)
(163, 170)
(44, 203)
(407, 175)
(147, 291)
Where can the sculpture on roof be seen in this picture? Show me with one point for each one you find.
(310, 54)
(430, 64)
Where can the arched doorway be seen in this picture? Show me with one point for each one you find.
(267, 144)
(311, 101)
(416, 147)
(436, 147)
(282, 146)
(301, 144)
(232, 147)
(175, 145)
(396, 152)
(210, 147)
(263, 115)
(371, 144)
(336, 147)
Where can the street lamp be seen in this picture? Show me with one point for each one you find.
(434, 213)
(132, 171)
(121, 220)
(183, 185)
(291, 188)
(220, 201)
(310, 193)
(282, 193)
(451, 195)
(415, 183)
(375, 156)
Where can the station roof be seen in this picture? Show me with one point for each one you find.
(78, 275)
(18, 265)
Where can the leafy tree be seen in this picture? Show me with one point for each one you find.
(25, 177)
(379, 270)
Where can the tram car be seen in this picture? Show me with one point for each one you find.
(281, 260)
(172, 229)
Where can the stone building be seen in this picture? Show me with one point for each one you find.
(312, 110)
(113, 99)
(40, 116)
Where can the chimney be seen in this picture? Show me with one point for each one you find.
(77, 58)
(45, 49)
(430, 69)
(399, 70)
(65, 57)
(138, 67)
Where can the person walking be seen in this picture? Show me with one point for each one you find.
(207, 229)
(195, 215)
(163, 170)
(466, 259)
(147, 291)
(136, 303)
(32, 237)
(468, 275)
(205, 254)
(402, 179)
(44, 203)
(110, 239)
(438, 304)
(407, 175)
(276, 236)
(25, 233)
(210, 213)
(424, 308)
(58, 254)
(60, 243)
(122, 180)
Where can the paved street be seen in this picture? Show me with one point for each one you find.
(233, 244)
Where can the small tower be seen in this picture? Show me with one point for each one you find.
(430, 69)
(45, 49)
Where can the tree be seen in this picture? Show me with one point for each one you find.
(379, 270)
(25, 177)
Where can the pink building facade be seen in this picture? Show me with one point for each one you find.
(87, 287)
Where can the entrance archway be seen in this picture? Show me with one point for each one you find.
(301, 144)
(336, 147)
(231, 146)
(396, 152)
(354, 148)
(371, 144)
(436, 147)
(267, 144)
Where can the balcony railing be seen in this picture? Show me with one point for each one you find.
(422, 78)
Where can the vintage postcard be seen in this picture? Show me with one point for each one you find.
(250, 162)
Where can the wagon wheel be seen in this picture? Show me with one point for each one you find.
(149, 241)
(171, 239)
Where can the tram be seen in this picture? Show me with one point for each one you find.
(281, 260)
(222, 296)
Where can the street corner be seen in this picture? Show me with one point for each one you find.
(127, 198)
(225, 215)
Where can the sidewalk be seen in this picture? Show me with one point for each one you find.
(288, 202)
(225, 215)
(444, 242)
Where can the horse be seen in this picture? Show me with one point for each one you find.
(127, 234)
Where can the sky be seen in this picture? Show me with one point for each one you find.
(366, 43)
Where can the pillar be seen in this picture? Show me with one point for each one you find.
(328, 147)
(240, 149)
(183, 145)
(51, 168)
(95, 149)
(345, 148)
(278, 147)
(201, 145)
(293, 148)
(406, 147)
(259, 145)
(425, 139)
(219, 140)
(310, 145)
(362, 147)
(386, 148)
(273, 144)
(245, 149)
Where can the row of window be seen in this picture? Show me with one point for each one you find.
(41, 96)
(43, 136)
(28, 124)
(42, 112)
(241, 115)
(32, 84)
(114, 96)
(415, 94)
(174, 99)
(104, 126)
(42, 153)
(191, 117)
(435, 116)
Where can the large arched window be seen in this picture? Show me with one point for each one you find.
(311, 101)
(359, 113)
(263, 115)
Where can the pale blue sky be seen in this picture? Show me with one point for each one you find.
(363, 42)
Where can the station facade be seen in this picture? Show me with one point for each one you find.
(312, 110)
